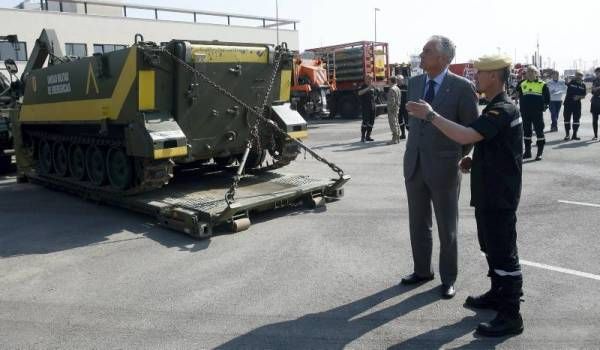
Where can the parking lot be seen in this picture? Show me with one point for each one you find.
(74, 274)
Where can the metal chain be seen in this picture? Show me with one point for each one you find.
(230, 194)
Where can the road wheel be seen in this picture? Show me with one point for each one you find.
(95, 165)
(77, 162)
(45, 157)
(60, 158)
(119, 169)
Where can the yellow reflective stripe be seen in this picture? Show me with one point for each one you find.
(146, 88)
(87, 110)
(170, 152)
(298, 134)
(286, 85)
(532, 87)
(229, 54)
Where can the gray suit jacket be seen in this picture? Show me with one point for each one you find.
(439, 156)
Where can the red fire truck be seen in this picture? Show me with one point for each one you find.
(348, 66)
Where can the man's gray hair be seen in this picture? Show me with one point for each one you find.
(445, 46)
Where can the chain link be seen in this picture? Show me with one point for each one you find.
(230, 193)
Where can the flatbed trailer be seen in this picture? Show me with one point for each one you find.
(195, 204)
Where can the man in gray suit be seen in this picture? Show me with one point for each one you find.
(431, 160)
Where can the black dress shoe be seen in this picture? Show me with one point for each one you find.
(448, 291)
(484, 301)
(501, 326)
(413, 278)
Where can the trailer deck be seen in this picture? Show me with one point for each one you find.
(195, 204)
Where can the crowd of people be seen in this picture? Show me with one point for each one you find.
(533, 95)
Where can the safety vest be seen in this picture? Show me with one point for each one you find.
(532, 87)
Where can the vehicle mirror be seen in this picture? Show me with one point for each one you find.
(11, 66)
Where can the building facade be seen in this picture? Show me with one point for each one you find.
(87, 27)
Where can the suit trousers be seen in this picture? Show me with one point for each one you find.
(421, 196)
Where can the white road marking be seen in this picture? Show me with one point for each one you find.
(560, 269)
(581, 203)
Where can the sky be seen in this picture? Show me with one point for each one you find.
(565, 29)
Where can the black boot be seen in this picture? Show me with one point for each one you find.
(508, 320)
(540, 149)
(575, 129)
(402, 132)
(502, 325)
(368, 136)
(567, 131)
(363, 131)
(527, 153)
(487, 300)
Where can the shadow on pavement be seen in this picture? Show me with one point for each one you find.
(336, 120)
(41, 221)
(352, 146)
(438, 338)
(574, 144)
(335, 328)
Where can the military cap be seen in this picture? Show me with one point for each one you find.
(492, 62)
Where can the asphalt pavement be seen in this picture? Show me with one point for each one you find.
(77, 275)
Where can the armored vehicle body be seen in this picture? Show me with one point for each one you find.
(121, 121)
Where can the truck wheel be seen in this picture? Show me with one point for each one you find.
(4, 162)
(348, 106)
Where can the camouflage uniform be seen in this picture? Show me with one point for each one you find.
(393, 107)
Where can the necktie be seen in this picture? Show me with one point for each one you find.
(430, 94)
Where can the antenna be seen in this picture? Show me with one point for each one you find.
(277, 19)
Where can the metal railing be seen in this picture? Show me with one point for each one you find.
(264, 22)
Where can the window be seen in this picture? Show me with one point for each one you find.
(17, 52)
(106, 48)
(78, 50)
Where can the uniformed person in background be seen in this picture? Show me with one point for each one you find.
(496, 172)
(534, 98)
(393, 107)
(595, 105)
(402, 113)
(576, 91)
(367, 102)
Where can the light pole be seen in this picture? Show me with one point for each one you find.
(376, 10)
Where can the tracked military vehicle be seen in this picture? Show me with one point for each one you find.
(114, 127)
(121, 121)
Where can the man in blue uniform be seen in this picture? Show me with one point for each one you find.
(495, 189)
(367, 101)
(576, 91)
(534, 98)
